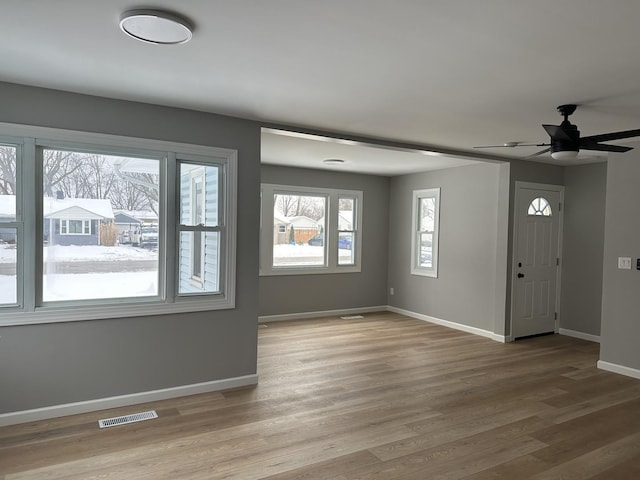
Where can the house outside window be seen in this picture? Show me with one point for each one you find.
(308, 230)
(63, 257)
(424, 235)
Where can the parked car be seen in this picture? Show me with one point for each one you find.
(149, 237)
(344, 241)
(146, 236)
(125, 237)
(317, 240)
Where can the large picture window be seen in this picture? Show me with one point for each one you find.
(113, 228)
(310, 230)
(424, 238)
(10, 225)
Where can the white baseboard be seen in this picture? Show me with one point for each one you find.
(622, 370)
(580, 335)
(325, 313)
(124, 400)
(447, 323)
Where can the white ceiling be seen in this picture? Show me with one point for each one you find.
(449, 74)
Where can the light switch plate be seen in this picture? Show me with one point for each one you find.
(624, 263)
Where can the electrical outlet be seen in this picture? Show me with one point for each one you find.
(392, 291)
(624, 263)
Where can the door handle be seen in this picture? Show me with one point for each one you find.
(521, 275)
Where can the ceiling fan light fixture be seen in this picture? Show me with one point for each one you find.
(333, 161)
(564, 154)
(156, 27)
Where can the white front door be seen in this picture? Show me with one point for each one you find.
(536, 260)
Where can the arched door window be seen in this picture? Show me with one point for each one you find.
(539, 206)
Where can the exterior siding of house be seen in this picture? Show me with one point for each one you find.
(56, 238)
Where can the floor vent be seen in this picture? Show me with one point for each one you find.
(135, 417)
(351, 317)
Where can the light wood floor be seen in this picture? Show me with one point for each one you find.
(385, 397)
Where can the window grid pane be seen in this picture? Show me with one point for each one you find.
(8, 266)
(89, 200)
(346, 230)
(299, 230)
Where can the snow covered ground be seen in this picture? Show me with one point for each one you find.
(60, 253)
(81, 286)
(294, 255)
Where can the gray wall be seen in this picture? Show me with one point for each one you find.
(620, 335)
(285, 294)
(49, 364)
(469, 242)
(583, 248)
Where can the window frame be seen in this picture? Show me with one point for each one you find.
(65, 222)
(18, 222)
(30, 309)
(354, 230)
(330, 230)
(416, 268)
(220, 227)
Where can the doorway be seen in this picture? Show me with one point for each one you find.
(537, 244)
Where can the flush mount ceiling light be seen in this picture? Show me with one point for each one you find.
(333, 161)
(156, 26)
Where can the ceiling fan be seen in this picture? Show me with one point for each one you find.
(566, 141)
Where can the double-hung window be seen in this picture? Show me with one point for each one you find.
(424, 238)
(201, 227)
(307, 230)
(97, 226)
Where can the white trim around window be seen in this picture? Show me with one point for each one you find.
(30, 307)
(327, 230)
(85, 227)
(425, 226)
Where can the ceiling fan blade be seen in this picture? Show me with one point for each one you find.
(513, 145)
(606, 137)
(493, 146)
(603, 147)
(556, 132)
(541, 152)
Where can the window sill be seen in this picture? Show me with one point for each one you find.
(57, 314)
(311, 271)
(424, 273)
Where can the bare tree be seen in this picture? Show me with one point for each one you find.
(7, 170)
(287, 205)
(58, 166)
(300, 205)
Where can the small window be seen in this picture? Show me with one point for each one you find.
(75, 227)
(201, 228)
(539, 206)
(346, 230)
(424, 244)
